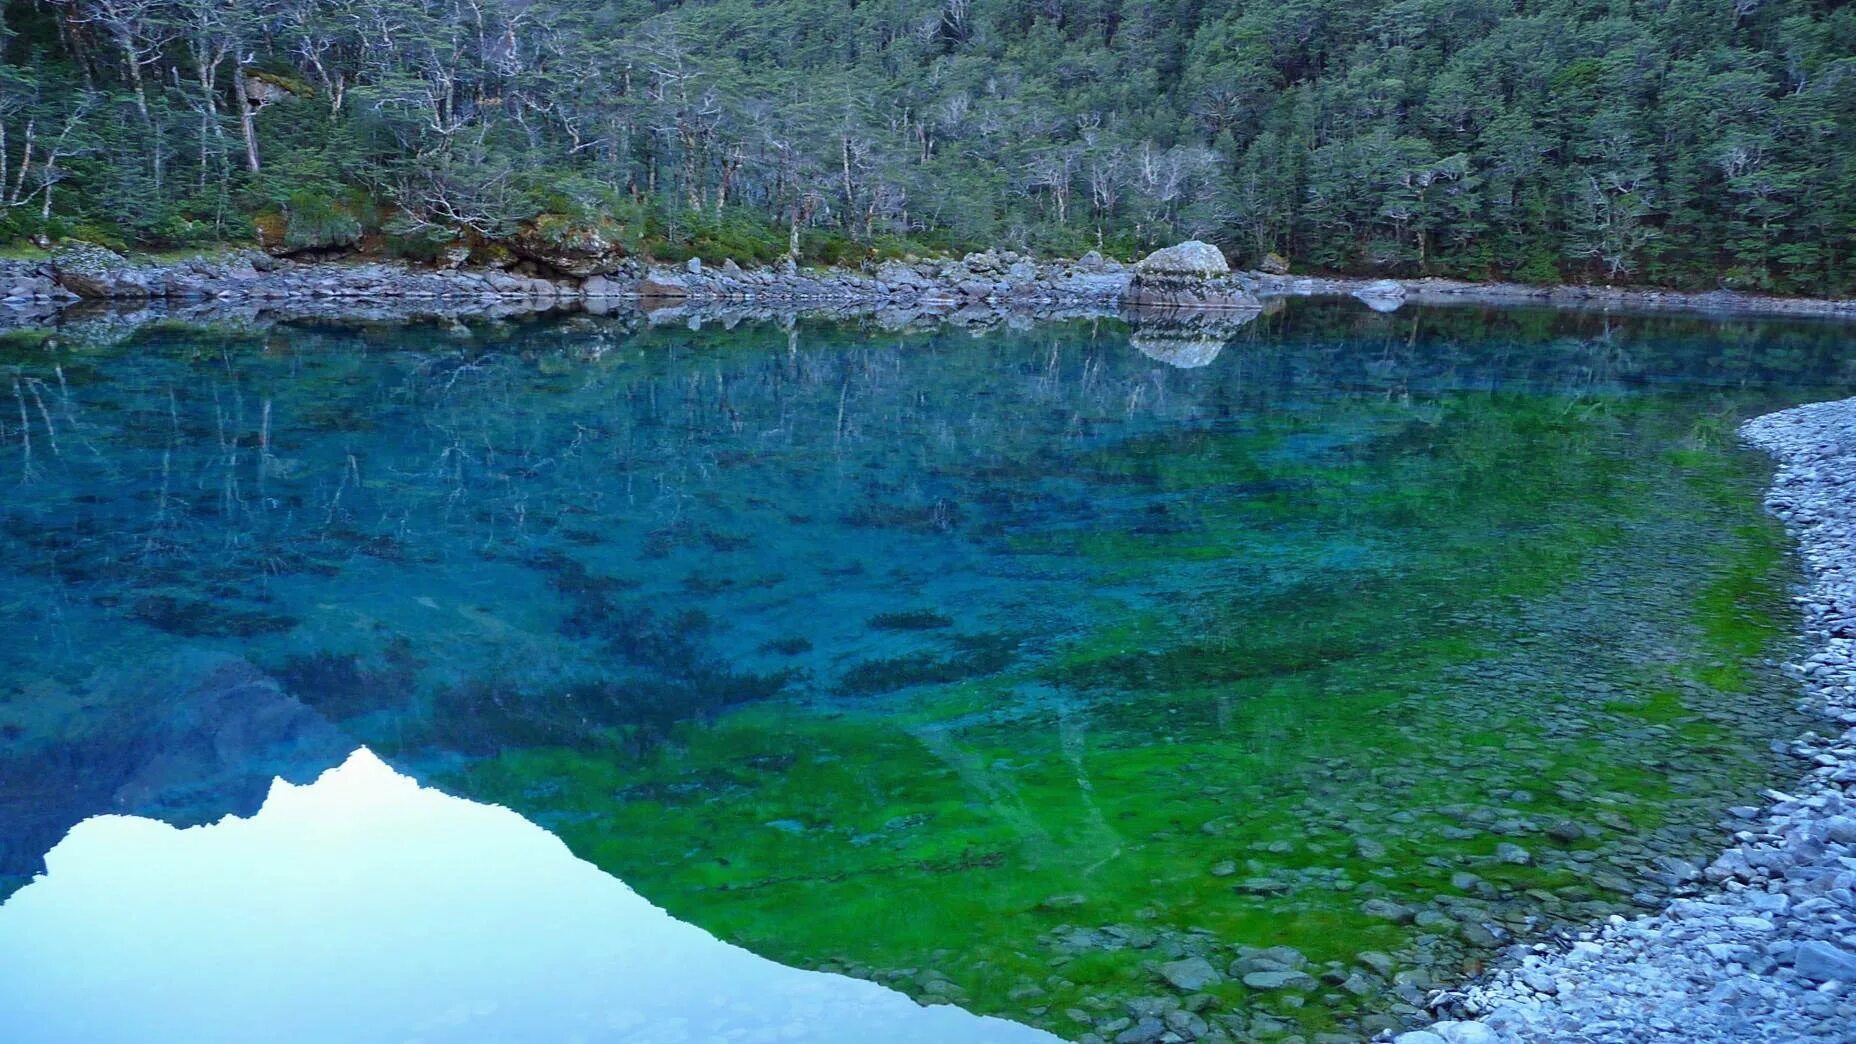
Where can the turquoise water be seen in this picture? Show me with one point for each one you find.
(1010, 668)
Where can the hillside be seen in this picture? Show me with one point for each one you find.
(1688, 143)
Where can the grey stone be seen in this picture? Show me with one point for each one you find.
(1821, 961)
(1509, 852)
(1192, 258)
(1280, 980)
(1145, 1031)
(1191, 974)
(1387, 910)
(1466, 1033)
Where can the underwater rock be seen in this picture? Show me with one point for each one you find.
(1191, 974)
(1280, 980)
(1566, 832)
(1387, 910)
(1508, 852)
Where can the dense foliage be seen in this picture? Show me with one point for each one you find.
(1685, 142)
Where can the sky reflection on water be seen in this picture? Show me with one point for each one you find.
(366, 907)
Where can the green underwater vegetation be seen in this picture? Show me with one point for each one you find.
(1224, 766)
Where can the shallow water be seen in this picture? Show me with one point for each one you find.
(1022, 670)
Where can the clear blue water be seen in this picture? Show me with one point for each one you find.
(944, 658)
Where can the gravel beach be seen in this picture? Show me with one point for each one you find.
(1767, 950)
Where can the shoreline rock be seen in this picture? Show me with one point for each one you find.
(1187, 276)
(1768, 951)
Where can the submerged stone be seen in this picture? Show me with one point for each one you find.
(1190, 975)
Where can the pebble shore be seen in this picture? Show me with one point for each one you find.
(1766, 948)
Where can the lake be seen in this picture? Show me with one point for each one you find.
(1233, 679)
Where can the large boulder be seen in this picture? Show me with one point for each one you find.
(1188, 275)
(89, 270)
(1192, 259)
(569, 246)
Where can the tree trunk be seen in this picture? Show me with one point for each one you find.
(850, 197)
(25, 164)
(245, 123)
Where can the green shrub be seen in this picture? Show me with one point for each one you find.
(1539, 268)
(313, 221)
(414, 241)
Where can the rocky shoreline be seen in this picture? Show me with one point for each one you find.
(1188, 275)
(1765, 950)
(1386, 294)
(1191, 276)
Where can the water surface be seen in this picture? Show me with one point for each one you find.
(1058, 673)
(365, 907)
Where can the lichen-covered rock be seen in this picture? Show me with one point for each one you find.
(1274, 264)
(1193, 258)
(1192, 274)
(89, 270)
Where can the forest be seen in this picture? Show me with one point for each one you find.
(1687, 143)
